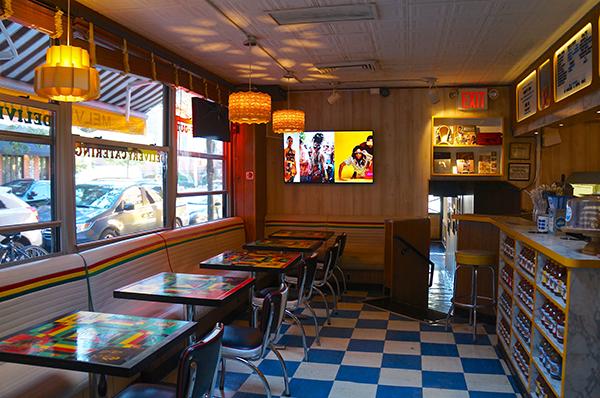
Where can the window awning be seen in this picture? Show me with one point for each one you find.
(31, 46)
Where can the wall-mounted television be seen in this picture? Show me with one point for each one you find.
(328, 157)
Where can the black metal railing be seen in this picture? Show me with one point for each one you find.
(431, 264)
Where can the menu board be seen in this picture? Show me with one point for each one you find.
(573, 64)
(544, 85)
(527, 96)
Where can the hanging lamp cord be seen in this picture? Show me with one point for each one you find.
(68, 22)
(250, 67)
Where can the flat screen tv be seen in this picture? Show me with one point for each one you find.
(210, 120)
(328, 157)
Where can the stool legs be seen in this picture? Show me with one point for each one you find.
(473, 305)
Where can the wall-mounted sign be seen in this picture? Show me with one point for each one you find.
(472, 99)
(573, 64)
(527, 96)
(544, 85)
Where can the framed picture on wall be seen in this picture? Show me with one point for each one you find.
(519, 171)
(519, 151)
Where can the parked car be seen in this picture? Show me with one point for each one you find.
(35, 192)
(15, 211)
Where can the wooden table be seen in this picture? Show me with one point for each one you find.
(97, 343)
(187, 289)
(284, 245)
(301, 234)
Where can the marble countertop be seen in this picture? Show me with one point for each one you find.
(566, 252)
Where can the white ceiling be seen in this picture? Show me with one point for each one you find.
(458, 41)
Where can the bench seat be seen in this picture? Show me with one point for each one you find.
(32, 293)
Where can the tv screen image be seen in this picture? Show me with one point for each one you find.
(328, 157)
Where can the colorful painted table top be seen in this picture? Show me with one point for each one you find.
(94, 342)
(300, 234)
(242, 260)
(168, 287)
(287, 245)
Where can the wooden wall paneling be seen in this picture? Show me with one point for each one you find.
(249, 194)
(402, 132)
(477, 236)
(578, 151)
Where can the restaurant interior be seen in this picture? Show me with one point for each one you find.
(310, 198)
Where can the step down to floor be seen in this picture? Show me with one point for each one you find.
(425, 315)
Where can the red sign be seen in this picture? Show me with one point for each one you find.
(472, 99)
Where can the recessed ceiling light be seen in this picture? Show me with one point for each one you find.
(597, 111)
(561, 125)
(535, 132)
(348, 12)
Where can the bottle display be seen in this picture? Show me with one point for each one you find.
(523, 326)
(508, 247)
(505, 303)
(542, 390)
(553, 321)
(526, 261)
(554, 279)
(521, 358)
(525, 294)
(507, 276)
(550, 360)
(503, 331)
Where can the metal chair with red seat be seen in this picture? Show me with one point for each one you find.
(196, 376)
(246, 344)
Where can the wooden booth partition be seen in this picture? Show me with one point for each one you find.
(407, 270)
(474, 235)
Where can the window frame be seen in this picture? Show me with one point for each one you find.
(165, 148)
(224, 157)
(56, 224)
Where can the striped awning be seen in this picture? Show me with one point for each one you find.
(31, 46)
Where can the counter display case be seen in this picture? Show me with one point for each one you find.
(545, 322)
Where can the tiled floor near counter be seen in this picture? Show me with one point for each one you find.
(371, 353)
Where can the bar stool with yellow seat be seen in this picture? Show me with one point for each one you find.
(474, 260)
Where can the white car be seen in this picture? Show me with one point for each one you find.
(15, 211)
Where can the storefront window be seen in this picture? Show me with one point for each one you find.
(26, 186)
(201, 168)
(120, 159)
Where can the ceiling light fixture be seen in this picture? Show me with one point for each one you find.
(288, 120)
(67, 74)
(249, 107)
(334, 97)
(338, 13)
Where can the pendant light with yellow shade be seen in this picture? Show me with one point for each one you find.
(249, 107)
(67, 74)
(288, 120)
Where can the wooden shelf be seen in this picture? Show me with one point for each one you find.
(466, 175)
(519, 338)
(550, 297)
(555, 385)
(468, 146)
(553, 342)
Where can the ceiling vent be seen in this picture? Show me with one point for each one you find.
(349, 12)
(370, 66)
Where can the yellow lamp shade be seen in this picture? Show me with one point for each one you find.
(67, 75)
(249, 107)
(288, 121)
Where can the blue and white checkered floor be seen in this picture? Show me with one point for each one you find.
(367, 352)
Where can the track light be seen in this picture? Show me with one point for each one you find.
(432, 93)
(334, 97)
